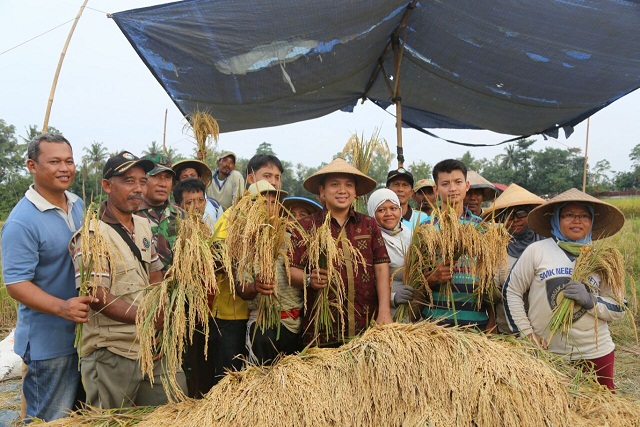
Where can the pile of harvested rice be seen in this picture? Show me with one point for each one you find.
(402, 374)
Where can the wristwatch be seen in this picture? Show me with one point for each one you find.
(307, 281)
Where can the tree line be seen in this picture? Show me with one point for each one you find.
(544, 172)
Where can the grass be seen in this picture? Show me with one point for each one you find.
(630, 206)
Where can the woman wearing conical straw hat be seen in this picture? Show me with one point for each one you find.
(368, 287)
(512, 208)
(545, 269)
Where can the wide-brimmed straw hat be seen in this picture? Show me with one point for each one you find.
(513, 196)
(263, 187)
(476, 181)
(608, 219)
(204, 171)
(364, 183)
(308, 204)
(422, 183)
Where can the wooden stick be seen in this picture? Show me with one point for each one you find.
(164, 134)
(586, 160)
(45, 125)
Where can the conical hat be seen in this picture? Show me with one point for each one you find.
(476, 181)
(364, 183)
(513, 195)
(608, 219)
(201, 167)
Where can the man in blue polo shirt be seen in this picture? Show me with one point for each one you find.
(39, 274)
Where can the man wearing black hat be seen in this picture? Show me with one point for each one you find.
(400, 181)
(109, 348)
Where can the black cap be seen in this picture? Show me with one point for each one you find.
(119, 164)
(401, 172)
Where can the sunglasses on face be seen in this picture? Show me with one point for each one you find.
(519, 214)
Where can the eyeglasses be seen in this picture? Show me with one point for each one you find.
(584, 217)
(519, 214)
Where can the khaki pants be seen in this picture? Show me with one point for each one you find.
(112, 381)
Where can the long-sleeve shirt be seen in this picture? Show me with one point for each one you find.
(543, 270)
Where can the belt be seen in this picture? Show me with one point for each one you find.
(293, 314)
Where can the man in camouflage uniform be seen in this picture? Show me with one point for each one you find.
(156, 206)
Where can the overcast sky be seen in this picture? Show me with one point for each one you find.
(105, 93)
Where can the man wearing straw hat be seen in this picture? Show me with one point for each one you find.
(424, 195)
(192, 168)
(368, 289)
(110, 370)
(227, 183)
(544, 276)
(38, 273)
(450, 177)
(480, 190)
(512, 208)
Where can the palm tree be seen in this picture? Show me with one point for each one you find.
(153, 149)
(509, 158)
(95, 157)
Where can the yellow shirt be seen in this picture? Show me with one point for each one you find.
(225, 306)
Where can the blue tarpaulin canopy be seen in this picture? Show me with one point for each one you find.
(516, 67)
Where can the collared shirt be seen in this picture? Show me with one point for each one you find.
(43, 205)
(412, 218)
(364, 234)
(164, 226)
(107, 217)
(34, 249)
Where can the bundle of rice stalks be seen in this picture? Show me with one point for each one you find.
(361, 152)
(90, 416)
(416, 266)
(258, 234)
(95, 258)
(205, 130)
(601, 259)
(403, 375)
(477, 250)
(325, 252)
(181, 300)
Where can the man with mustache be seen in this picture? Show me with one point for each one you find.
(109, 349)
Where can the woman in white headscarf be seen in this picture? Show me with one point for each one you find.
(384, 206)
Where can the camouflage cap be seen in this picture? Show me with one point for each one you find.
(162, 164)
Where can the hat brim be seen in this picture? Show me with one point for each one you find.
(280, 194)
(204, 171)
(310, 205)
(607, 221)
(513, 196)
(160, 168)
(489, 193)
(364, 183)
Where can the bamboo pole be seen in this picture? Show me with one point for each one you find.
(586, 159)
(164, 133)
(45, 125)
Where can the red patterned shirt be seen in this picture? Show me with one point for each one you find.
(364, 234)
